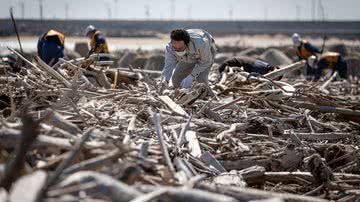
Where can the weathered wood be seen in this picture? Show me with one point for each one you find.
(53, 73)
(193, 143)
(29, 132)
(173, 106)
(247, 194)
(186, 194)
(286, 69)
(164, 150)
(28, 187)
(115, 190)
(211, 161)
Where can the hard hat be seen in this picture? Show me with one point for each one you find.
(89, 29)
(311, 61)
(296, 39)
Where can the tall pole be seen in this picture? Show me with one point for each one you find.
(41, 9)
(107, 6)
(265, 13)
(66, 10)
(116, 9)
(313, 9)
(189, 12)
(22, 5)
(298, 12)
(147, 11)
(172, 9)
(231, 12)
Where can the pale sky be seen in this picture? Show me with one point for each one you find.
(184, 9)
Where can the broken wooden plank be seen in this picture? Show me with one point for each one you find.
(28, 187)
(211, 161)
(193, 143)
(173, 106)
(286, 69)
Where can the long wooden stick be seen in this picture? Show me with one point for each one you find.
(286, 69)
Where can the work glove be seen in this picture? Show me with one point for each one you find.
(187, 82)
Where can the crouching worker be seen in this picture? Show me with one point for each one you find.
(191, 53)
(50, 47)
(98, 43)
(249, 64)
(329, 60)
(304, 49)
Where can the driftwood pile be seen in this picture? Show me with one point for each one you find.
(82, 132)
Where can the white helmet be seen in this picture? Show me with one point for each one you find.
(296, 39)
(311, 61)
(89, 29)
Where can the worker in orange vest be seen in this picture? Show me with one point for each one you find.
(328, 60)
(304, 49)
(50, 46)
(97, 41)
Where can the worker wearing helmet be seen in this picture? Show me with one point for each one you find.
(328, 60)
(303, 48)
(97, 41)
(50, 47)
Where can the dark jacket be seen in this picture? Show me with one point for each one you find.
(50, 48)
(306, 50)
(249, 64)
(333, 61)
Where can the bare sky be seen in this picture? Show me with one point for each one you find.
(185, 9)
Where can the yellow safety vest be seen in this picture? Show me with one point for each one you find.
(302, 52)
(103, 48)
(331, 58)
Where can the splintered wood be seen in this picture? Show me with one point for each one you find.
(82, 132)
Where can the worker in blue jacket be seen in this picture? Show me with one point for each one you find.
(98, 43)
(50, 47)
(328, 60)
(249, 64)
(304, 49)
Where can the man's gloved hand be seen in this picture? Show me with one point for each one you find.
(187, 82)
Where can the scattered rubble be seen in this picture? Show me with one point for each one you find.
(81, 131)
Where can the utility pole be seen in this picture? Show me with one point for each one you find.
(172, 9)
(66, 10)
(22, 5)
(147, 11)
(116, 9)
(321, 11)
(189, 12)
(108, 8)
(313, 9)
(231, 13)
(265, 13)
(41, 9)
(298, 12)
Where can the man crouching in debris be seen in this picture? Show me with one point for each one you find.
(328, 60)
(249, 64)
(50, 47)
(98, 43)
(191, 52)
